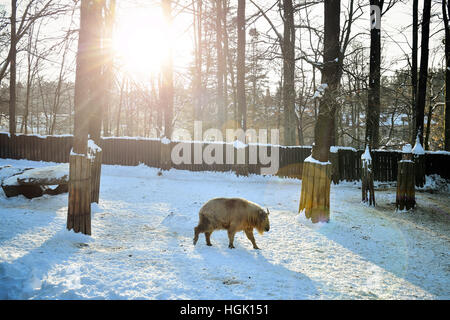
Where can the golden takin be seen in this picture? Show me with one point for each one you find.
(233, 215)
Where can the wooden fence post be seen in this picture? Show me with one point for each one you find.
(406, 181)
(312, 201)
(79, 211)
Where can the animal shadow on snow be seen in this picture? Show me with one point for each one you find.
(246, 267)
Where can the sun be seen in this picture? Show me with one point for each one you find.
(141, 41)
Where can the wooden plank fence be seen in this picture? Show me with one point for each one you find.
(132, 151)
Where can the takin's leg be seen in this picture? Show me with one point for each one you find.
(249, 233)
(231, 233)
(203, 226)
(208, 238)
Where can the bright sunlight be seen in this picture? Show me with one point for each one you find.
(141, 40)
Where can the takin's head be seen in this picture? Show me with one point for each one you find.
(263, 221)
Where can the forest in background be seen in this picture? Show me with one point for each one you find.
(281, 87)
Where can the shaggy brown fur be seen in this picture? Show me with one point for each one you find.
(233, 215)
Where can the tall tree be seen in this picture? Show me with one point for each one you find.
(167, 93)
(287, 46)
(446, 14)
(241, 101)
(108, 70)
(220, 102)
(96, 91)
(415, 38)
(315, 193)
(12, 71)
(373, 105)
(197, 8)
(290, 118)
(373, 102)
(79, 208)
(423, 73)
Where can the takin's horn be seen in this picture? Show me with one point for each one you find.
(267, 211)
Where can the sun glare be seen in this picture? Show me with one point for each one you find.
(141, 41)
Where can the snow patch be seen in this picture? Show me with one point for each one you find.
(165, 140)
(335, 149)
(320, 91)
(239, 144)
(407, 148)
(418, 149)
(312, 160)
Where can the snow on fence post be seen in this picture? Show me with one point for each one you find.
(406, 181)
(419, 162)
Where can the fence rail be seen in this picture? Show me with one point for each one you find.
(131, 152)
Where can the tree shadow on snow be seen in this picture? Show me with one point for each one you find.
(389, 245)
(24, 277)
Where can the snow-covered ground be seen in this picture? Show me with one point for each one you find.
(141, 244)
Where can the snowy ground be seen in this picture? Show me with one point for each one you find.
(141, 246)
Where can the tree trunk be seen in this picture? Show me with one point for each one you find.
(405, 198)
(119, 109)
(315, 194)
(288, 49)
(97, 94)
(167, 92)
(26, 111)
(415, 38)
(108, 73)
(58, 91)
(373, 105)
(79, 208)
(423, 73)
(198, 13)
(221, 110)
(12, 72)
(446, 13)
(242, 107)
(97, 88)
(225, 60)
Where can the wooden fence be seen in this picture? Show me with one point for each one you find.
(131, 152)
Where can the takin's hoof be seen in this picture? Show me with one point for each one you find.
(209, 244)
(256, 248)
(231, 246)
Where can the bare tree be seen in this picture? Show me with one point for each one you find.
(241, 101)
(446, 14)
(79, 208)
(315, 193)
(12, 71)
(423, 73)
(221, 65)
